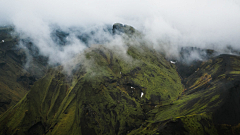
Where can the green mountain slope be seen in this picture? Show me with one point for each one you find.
(209, 105)
(104, 98)
(15, 79)
(131, 91)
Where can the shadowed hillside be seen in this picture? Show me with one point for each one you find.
(15, 79)
(209, 104)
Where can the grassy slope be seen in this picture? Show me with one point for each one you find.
(100, 100)
(105, 98)
(10, 68)
(14, 79)
(210, 104)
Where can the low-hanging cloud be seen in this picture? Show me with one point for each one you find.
(168, 25)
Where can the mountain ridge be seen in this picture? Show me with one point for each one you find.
(140, 92)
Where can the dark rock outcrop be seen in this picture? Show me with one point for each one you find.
(119, 28)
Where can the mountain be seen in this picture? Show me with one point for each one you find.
(137, 92)
(15, 79)
(209, 104)
(104, 98)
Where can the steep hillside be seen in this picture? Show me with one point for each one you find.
(111, 96)
(15, 79)
(209, 105)
(125, 90)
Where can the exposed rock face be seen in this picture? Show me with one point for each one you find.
(119, 28)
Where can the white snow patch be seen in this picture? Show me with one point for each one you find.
(132, 87)
(172, 62)
(142, 94)
(2, 40)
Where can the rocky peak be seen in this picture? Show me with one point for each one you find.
(119, 28)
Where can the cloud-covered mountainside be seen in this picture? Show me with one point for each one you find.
(167, 25)
(107, 93)
(67, 67)
(15, 79)
(132, 89)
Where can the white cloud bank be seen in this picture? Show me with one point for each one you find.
(168, 24)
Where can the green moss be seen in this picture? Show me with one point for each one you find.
(199, 124)
(234, 72)
(214, 98)
(222, 76)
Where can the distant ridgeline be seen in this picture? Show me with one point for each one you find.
(140, 94)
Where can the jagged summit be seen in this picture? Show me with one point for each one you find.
(119, 28)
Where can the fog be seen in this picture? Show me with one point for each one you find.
(168, 25)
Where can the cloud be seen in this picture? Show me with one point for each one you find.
(168, 25)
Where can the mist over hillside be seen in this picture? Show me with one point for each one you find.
(119, 67)
(61, 29)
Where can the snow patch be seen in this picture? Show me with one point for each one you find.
(132, 87)
(142, 94)
(172, 62)
(2, 40)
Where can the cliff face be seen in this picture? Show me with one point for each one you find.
(136, 93)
